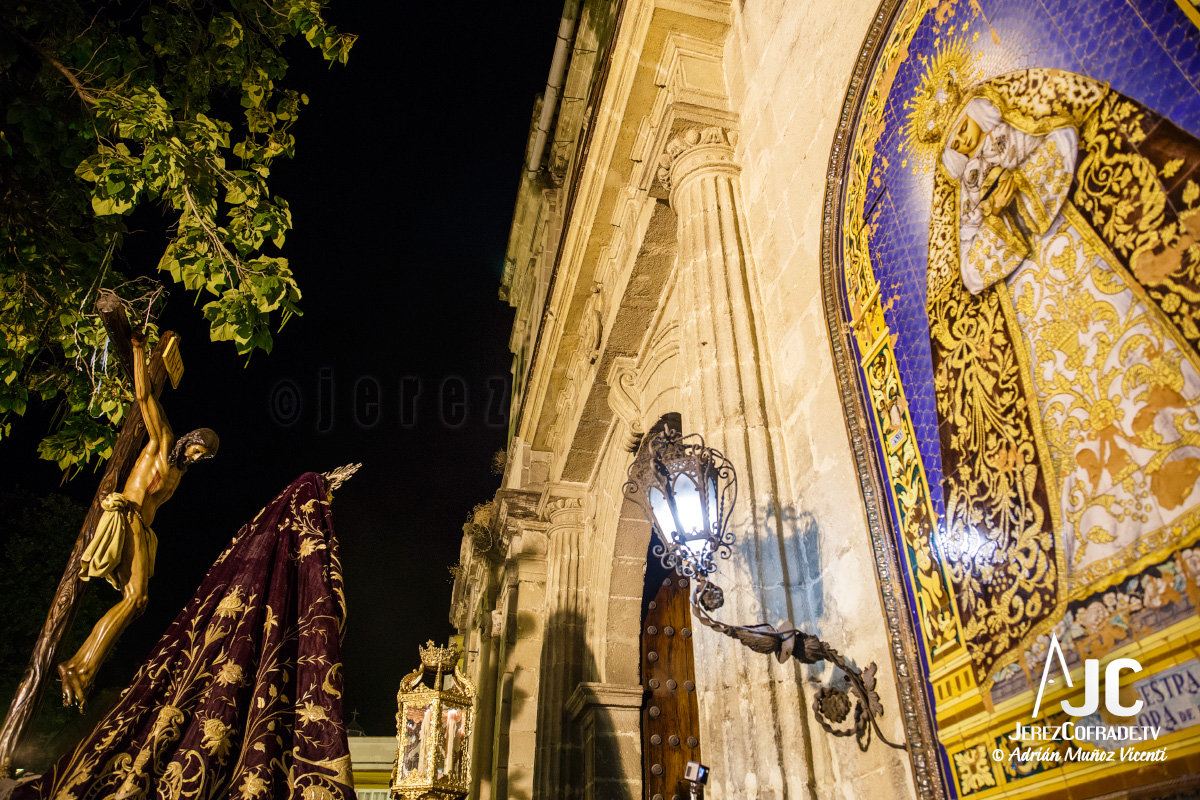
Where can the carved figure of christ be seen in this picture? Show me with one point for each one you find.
(123, 548)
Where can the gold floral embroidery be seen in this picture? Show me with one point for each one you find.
(311, 713)
(1109, 388)
(1120, 194)
(1044, 174)
(1120, 197)
(994, 254)
(308, 546)
(240, 760)
(1117, 185)
(232, 604)
(943, 273)
(216, 737)
(252, 786)
(230, 674)
(997, 538)
(1041, 100)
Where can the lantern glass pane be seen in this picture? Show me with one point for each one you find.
(454, 734)
(662, 512)
(416, 728)
(689, 508)
(712, 500)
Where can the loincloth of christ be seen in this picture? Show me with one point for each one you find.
(102, 558)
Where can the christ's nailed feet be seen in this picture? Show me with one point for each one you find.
(73, 688)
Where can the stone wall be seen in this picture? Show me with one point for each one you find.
(787, 66)
(685, 277)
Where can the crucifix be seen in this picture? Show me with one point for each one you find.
(116, 542)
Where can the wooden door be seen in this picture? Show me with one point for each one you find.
(670, 714)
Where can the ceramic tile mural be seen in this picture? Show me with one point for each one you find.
(1019, 256)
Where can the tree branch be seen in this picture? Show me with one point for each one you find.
(79, 88)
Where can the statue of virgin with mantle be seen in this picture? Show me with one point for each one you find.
(1063, 292)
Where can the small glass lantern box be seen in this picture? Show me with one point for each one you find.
(433, 726)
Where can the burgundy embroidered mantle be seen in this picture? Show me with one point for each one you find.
(241, 698)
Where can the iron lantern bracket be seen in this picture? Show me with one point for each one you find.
(670, 457)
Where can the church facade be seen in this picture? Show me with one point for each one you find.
(924, 272)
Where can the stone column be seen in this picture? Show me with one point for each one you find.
(607, 719)
(521, 686)
(562, 649)
(726, 396)
(483, 736)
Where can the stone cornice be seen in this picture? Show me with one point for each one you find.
(606, 695)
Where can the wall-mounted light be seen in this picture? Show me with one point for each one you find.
(687, 491)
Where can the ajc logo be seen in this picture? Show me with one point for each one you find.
(1104, 739)
(1091, 684)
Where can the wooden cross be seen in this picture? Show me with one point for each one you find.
(66, 599)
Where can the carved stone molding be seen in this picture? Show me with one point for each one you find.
(572, 381)
(625, 393)
(497, 620)
(692, 71)
(589, 695)
(695, 149)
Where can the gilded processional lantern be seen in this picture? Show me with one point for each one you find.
(433, 726)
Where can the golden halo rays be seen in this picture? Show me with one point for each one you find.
(938, 99)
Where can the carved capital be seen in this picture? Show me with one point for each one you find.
(563, 513)
(563, 504)
(694, 149)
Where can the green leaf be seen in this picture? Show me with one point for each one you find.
(159, 132)
(110, 205)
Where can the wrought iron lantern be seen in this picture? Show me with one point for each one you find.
(687, 491)
(433, 727)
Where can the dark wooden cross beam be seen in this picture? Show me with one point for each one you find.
(43, 663)
(112, 312)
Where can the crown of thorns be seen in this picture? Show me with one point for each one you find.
(201, 436)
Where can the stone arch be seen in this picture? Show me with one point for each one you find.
(622, 636)
(631, 545)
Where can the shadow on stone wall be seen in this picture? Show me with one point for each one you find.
(803, 540)
(583, 750)
(801, 536)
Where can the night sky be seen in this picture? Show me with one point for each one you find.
(402, 193)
